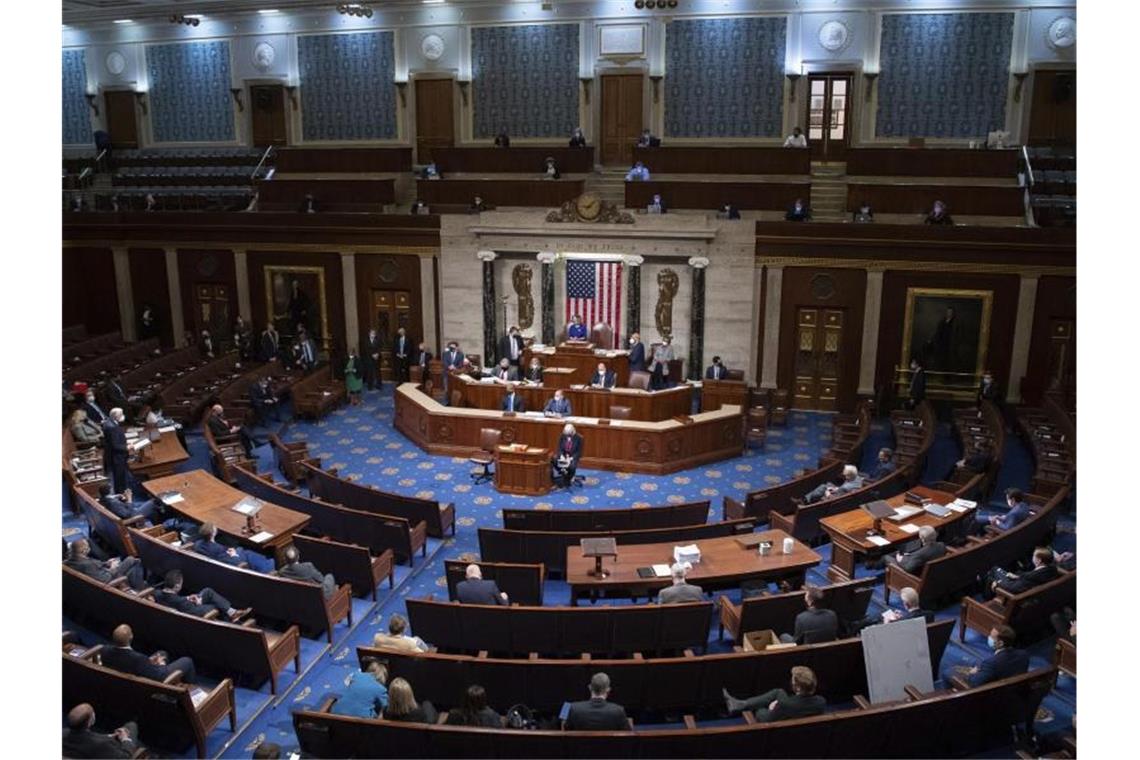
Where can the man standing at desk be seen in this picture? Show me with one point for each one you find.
(511, 347)
(115, 451)
(401, 353)
(576, 330)
(602, 378)
(636, 353)
(559, 406)
(513, 402)
(566, 455)
(717, 371)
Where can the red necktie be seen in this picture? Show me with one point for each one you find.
(567, 446)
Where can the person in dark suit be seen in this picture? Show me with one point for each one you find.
(576, 330)
(910, 610)
(206, 344)
(79, 559)
(79, 741)
(717, 370)
(578, 138)
(602, 377)
(263, 401)
(502, 140)
(296, 570)
(270, 344)
(597, 713)
(452, 357)
(558, 406)
(511, 346)
(308, 355)
(220, 427)
(636, 353)
(95, 412)
(208, 545)
(681, 591)
(988, 389)
(939, 215)
(401, 356)
(199, 604)
(799, 212)
(123, 507)
(115, 452)
(513, 402)
(1018, 513)
(884, 466)
(979, 460)
(370, 348)
(1044, 570)
(505, 373)
(1006, 661)
(534, 371)
(474, 590)
(474, 710)
(648, 140)
(243, 339)
(566, 455)
(114, 394)
(123, 658)
(929, 547)
(657, 206)
(777, 704)
(814, 625)
(728, 211)
(423, 357)
(917, 391)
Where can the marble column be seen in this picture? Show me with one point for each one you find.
(241, 272)
(351, 319)
(633, 301)
(428, 301)
(1022, 335)
(872, 313)
(174, 286)
(771, 353)
(122, 264)
(488, 259)
(697, 318)
(546, 258)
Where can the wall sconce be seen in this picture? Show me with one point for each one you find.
(236, 92)
(463, 85)
(656, 80)
(793, 78)
(402, 88)
(291, 90)
(1020, 77)
(91, 102)
(870, 76)
(140, 98)
(586, 86)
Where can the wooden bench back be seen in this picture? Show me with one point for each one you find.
(105, 524)
(577, 520)
(778, 611)
(329, 487)
(521, 582)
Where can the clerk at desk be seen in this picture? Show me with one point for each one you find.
(576, 330)
(559, 406)
(717, 371)
(513, 402)
(602, 378)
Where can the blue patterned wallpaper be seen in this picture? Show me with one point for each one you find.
(189, 97)
(76, 113)
(943, 75)
(347, 86)
(525, 80)
(725, 77)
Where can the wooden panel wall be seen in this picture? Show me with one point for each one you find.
(214, 267)
(844, 289)
(149, 286)
(391, 272)
(89, 296)
(1004, 315)
(1056, 299)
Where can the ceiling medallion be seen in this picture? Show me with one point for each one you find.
(432, 47)
(1062, 33)
(834, 36)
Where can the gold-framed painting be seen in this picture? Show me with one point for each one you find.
(948, 331)
(295, 296)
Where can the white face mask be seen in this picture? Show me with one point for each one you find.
(992, 642)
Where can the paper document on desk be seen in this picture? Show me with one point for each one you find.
(909, 528)
(168, 428)
(904, 513)
(662, 571)
(261, 537)
(878, 541)
(171, 497)
(690, 553)
(962, 505)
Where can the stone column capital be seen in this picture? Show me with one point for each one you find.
(546, 257)
(698, 262)
(486, 256)
(633, 260)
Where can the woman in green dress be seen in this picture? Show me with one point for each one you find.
(352, 381)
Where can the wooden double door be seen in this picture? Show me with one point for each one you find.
(829, 115)
(818, 363)
(622, 117)
(121, 120)
(435, 116)
(268, 120)
(390, 310)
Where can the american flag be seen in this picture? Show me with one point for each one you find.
(593, 292)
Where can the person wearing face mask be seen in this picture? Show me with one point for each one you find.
(115, 451)
(799, 212)
(636, 353)
(94, 412)
(1006, 661)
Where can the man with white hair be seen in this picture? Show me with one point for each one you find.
(852, 481)
(929, 548)
(681, 590)
(220, 427)
(910, 610)
(115, 451)
(566, 456)
(475, 590)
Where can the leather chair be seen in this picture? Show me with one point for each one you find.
(779, 408)
(639, 380)
(488, 442)
(620, 412)
(602, 335)
(735, 374)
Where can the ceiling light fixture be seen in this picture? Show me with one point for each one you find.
(359, 10)
(124, 21)
(268, 11)
(178, 18)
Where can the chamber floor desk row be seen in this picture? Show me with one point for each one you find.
(655, 448)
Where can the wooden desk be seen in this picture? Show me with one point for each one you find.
(737, 159)
(522, 159)
(714, 194)
(657, 448)
(160, 457)
(546, 193)
(287, 194)
(343, 160)
(648, 406)
(724, 563)
(525, 472)
(581, 359)
(931, 162)
(918, 198)
(207, 499)
(848, 532)
(716, 393)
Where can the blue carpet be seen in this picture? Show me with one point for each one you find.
(361, 443)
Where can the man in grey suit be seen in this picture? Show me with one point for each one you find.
(929, 548)
(597, 713)
(814, 625)
(680, 591)
(852, 481)
(475, 590)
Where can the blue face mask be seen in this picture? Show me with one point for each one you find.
(992, 642)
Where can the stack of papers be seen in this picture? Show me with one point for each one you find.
(661, 571)
(962, 505)
(878, 541)
(258, 538)
(904, 513)
(909, 528)
(689, 553)
(171, 497)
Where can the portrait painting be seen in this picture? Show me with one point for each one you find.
(295, 296)
(948, 331)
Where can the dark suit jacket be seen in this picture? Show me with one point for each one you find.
(978, 461)
(815, 626)
(927, 615)
(114, 443)
(424, 358)
(1029, 580)
(121, 509)
(505, 346)
(553, 405)
(606, 381)
(180, 603)
(637, 358)
(1001, 664)
(914, 561)
(115, 396)
(1018, 514)
(478, 592)
(575, 447)
(534, 374)
(520, 403)
(307, 571)
(791, 706)
(710, 372)
(918, 386)
(94, 413)
(218, 426)
(512, 373)
(988, 394)
(87, 743)
(596, 715)
(409, 346)
(269, 350)
(92, 568)
(216, 551)
(452, 360)
(130, 661)
(577, 332)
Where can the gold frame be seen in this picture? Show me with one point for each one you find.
(271, 270)
(987, 299)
